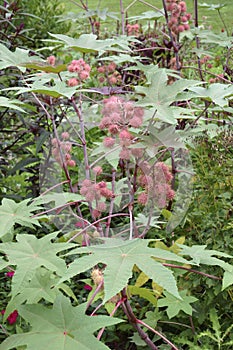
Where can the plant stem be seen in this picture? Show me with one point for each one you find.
(134, 321)
(159, 334)
(191, 270)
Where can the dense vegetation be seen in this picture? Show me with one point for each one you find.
(116, 180)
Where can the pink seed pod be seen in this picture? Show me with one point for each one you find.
(125, 135)
(143, 198)
(101, 206)
(97, 170)
(83, 75)
(65, 135)
(51, 60)
(72, 82)
(135, 122)
(101, 69)
(183, 6)
(181, 28)
(109, 142)
(71, 163)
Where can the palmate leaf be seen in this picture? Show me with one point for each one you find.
(201, 255)
(174, 305)
(63, 327)
(16, 58)
(120, 258)
(60, 88)
(30, 253)
(39, 287)
(217, 93)
(12, 104)
(12, 213)
(87, 43)
(160, 95)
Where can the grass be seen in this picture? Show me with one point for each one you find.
(138, 7)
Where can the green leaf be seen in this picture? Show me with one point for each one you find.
(201, 255)
(152, 15)
(227, 278)
(40, 286)
(30, 253)
(160, 95)
(143, 293)
(59, 89)
(22, 164)
(12, 213)
(217, 93)
(15, 59)
(12, 104)
(44, 67)
(63, 327)
(120, 258)
(85, 43)
(174, 305)
(59, 198)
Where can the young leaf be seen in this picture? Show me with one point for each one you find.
(120, 258)
(12, 213)
(63, 327)
(174, 305)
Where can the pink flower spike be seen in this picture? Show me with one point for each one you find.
(12, 318)
(10, 274)
(87, 287)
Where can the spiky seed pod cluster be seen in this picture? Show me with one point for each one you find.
(119, 116)
(109, 74)
(179, 18)
(81, 70)
(156, 183)
(61, 150)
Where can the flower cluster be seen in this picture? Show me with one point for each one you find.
(97, 276)
(156, 183)
(62, 150)
(82, 70)
(179, 18)
(133, 29)
(109, 74)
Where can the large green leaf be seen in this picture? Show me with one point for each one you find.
(63, 327)
(30, 253)
(15, 59)
(60, 88)
(120, 258)
(40, 286)
(174, 305)
(217, 93)
(90, 43)
(160, 95)
(12, 213)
